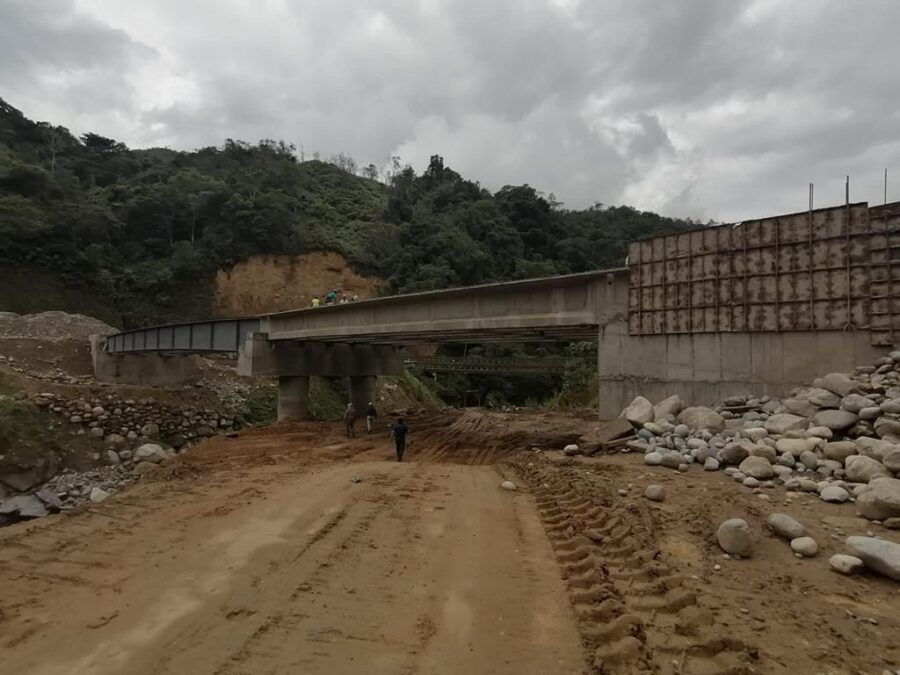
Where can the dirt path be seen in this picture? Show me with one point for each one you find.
(418, 568)
(259, 554)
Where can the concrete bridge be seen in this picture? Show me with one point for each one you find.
(365, 339)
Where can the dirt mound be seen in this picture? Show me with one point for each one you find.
(271, 283)
(51, 326)
(486, 437)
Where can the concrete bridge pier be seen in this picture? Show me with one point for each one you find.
(293, 397)
(293, 362)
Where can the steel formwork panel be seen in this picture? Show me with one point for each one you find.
(804, 271)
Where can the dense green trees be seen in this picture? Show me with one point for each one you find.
(146, 230)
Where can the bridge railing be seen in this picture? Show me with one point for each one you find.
(490, 365)
(215, 335)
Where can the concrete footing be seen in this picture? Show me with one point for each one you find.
(293, 397)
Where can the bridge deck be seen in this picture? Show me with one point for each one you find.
(561, 308)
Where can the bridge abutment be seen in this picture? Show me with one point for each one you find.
(152, 369)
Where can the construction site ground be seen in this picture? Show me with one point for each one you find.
(293, 550)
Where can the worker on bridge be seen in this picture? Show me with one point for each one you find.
(315, 301)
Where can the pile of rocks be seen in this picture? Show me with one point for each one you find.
(839, 439)
(124, 423)
(52, 325)
(877, 555)
(54, 374)
(70, 488)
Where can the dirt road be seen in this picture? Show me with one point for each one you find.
(417, 568)
(260, 554)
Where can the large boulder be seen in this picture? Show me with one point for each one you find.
(801, 406)
(150, 430)
(855, 403)
(736, 452)
(834, 494)
(796, 446)
(840, 450)
(785, 422)
(887, 427)
(671, 405)
(879, 555)
(837, 383)
(150, 452)
(765, 451)
(822, 398)
(734, 537)
(846, 564)
(23, 507)
(638, 412)
(892, 405)
(861, 469)
(757, 467)
(699, 418)
(672, 459)
(836, 420)
(891, 460)
(785, 526)
(876, 448)
(880, 500)
(805, 546)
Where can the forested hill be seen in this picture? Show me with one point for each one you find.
(144, 231)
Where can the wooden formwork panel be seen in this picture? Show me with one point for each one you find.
(802, 271)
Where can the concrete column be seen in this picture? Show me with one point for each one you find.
(362, 390)
(293, 397)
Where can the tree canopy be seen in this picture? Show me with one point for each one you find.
(146, 230)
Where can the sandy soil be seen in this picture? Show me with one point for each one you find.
(271, 283)
(261, 555)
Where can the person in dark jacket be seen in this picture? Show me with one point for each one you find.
(350, 420)
(371, 415)
(398, 433)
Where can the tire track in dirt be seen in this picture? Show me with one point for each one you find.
(264, 627)
(635, 613)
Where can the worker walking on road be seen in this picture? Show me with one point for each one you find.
(398, 433)
(350, 420)
(371, 415)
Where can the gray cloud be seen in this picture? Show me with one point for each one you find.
(702, 108)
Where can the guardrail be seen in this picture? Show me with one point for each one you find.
(494, 365)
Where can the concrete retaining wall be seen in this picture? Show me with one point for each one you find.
(704, 368)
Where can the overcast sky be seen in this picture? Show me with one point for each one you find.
(706, 108)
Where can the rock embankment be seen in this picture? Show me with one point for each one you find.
(132, 436)
(838, 438)
(122, 423)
